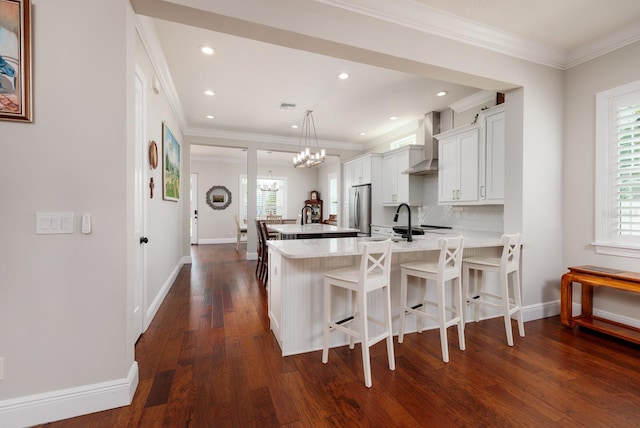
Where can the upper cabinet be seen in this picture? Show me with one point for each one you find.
(459, 166)
(493, 190)
(400, 188)
(360, 171)
(471, 161)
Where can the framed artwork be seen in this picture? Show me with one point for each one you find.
(218, 197)
(15, 60)
(170, 165)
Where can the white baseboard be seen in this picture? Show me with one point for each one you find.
(632, 322)
(68, 403)
(252, 256)
(155, 305)
(541, 310)
(218, 241)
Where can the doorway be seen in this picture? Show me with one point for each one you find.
(193, 203)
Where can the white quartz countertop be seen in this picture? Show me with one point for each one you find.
(313, 228)
(335, 247)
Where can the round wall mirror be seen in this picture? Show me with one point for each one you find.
(218, 197)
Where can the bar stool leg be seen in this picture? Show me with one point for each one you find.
(354, 311)
(456, 301)
(504, 285)
(403, 304)
(387, 323)
(327, 320)
(364, 338)
(442, 321)
(517, 298)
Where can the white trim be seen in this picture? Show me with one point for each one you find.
(613, 249)
(213, 241)
(605, 242)
(68, 403)
(417, 16)
(252, 256)
(473, 101)
(265, 138)
(155, 305)
(149, 37)
(576, 308)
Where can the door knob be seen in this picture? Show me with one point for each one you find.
(144, 240)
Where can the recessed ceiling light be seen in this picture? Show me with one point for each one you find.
(363, 133)
(441, 93)
(294, 126)
(210, 116)
(343, 76)
(207, 50)
(209, 92)
(393, 118)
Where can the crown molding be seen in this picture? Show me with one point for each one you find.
(427, 19)
(149, 37)
(472, 101)
(618, 39)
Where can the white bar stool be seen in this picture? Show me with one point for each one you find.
(374, 273)
(508, 264)
(448, 268)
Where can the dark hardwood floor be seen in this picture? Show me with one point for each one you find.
(209, 360)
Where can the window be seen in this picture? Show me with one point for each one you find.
(333, 193)
(618, 171)
(410, 139)
(266, 202)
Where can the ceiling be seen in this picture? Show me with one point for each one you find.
(251, 78)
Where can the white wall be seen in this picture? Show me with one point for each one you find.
(164, 218)
(581, 85)
(218, 226)
(65, 300)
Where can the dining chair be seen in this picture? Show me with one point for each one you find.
(240, 231)
(508, 265)
(373, 274)
(447, 269)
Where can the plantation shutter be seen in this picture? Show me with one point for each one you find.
(625, 173)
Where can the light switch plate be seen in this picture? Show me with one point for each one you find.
(54, 223)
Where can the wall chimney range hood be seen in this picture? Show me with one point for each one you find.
(428, 127)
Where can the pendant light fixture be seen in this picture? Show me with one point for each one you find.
(273, 187)
(306, 158)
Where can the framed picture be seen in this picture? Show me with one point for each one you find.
(170, 165)
(15, 60)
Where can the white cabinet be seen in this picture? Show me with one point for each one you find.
(471, 161)
(361, 171)
(458, 166)
(400, 188)
(492, 191)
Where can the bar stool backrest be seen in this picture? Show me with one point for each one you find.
(450, 260)
(375, 265)
(510, 260)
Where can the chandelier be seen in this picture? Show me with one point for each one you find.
(307, 159)
(273, 187)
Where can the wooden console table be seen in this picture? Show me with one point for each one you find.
(594, 276)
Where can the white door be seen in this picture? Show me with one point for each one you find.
(193, 197)
(140, 180)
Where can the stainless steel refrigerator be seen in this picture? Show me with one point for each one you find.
(360, 209)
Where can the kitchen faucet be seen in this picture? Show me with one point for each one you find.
(395, 220)
(302, 213)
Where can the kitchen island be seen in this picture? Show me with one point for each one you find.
(312, 231)
(295, 289)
